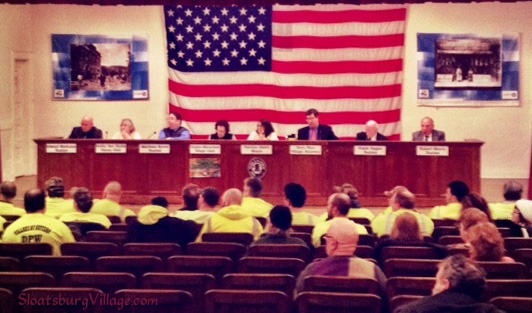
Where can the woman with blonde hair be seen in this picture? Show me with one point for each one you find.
(487, 244)
(127, 130)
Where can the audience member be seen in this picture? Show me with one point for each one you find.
(278, 227)
(458, 289)
(127, 130)
(160, 201)
(110, 204)
(487, 244)
(264, 131)
(356, 210)
(87, 130)
(232, 217)
(512, 192)
(455, 192)
(371, 133)
(252, 201)
(341, 243)
(83, 202)
(522, 219)
(474, 200)
(338, 206)
(296, 196)
(469, 218)
(427, 132)
(8, 192)
(56, 205)
(174, 131)
(35, 227)
(208, 200)
(222, 131)
(191, 194)
(402, 202)
(389, 194)
(315, 130)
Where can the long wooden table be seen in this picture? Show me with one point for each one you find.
(150, 168)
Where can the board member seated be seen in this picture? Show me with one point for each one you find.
(315, 131)
(222, 131)
(371, 133)
(427, 132)
(264, 131)
(86, 130)
(174, 131)
(127, 130)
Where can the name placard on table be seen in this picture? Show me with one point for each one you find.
(205, 149)
(305, 149)
(256, 149)
(148, 148)
(370, 150)
(61, 148)
(111, 148)
(432, 150)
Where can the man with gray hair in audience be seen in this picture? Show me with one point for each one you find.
(512, 191)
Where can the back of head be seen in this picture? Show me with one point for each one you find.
(211, 196)
(474, 200)
(232, 196)
(8, 189)
(296, 194)
(459, 189)
(394, 190)
(471, 217)
(255, 187)
(342, 203)
(463, 275)
(113, 189)
(34, 200)
(406, 228)
(83, 199)
(281, 217)
(344, 236)
(405, 199)
(513, 191)
(191, 194)
(160, 201)
(55, 187)
(486, 243)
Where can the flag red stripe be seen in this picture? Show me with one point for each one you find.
(326, 17)
(280, 92)
(284, 117)
(339, 67)
(337, 42)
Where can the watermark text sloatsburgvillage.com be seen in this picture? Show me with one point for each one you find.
(85, 302)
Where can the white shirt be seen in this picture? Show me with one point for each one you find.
(255, 136)
(134, 135)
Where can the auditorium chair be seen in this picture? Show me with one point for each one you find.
(130, 220)
(513, 304)
(406, 252)
(80, 229)
(22, 250)
(161, 250)
(109, 283)
(364, 252)
(361, 220)
(232, 250)
(90, 250)
(410, 268)
(398, 301)
(508, 288)
(303, 228)
(255, 264)
(301, 252)
(117, 237)
(196, 284)
(414, 286)
(318, 302)
(11, 218)
(157, 301)
(501, 270)
(242, 238)
(6, 301)
(9, 264)
(280, 282)
(505, 231)
(440, 223)
(524, 256)
(217, 266)
(450, 240)
(115, 219)
(458, 250)
(306, 237)
(246, 301)
(17, 281)
(79, 300)
(262, 221)
(118, 227)
(342, 284)
(441, 231)
(55, 265)
(136, 265)
(511, 244)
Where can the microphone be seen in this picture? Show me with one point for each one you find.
(151, 135)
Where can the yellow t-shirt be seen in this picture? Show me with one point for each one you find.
(55, 207)
(7, 208)
(200, 217)
(232, 219)
(38, 228)
(86, 218)
(450, 211)
(256, 207)
(322, 228)
(111, 208)
(353, 213)
(304, 218)
(383, 223)
(2, 221)
(502, 211)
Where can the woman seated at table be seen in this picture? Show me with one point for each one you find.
(264, 131)
(222, 131)
(127, 130)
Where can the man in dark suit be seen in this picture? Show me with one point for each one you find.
(427, 132)
(87, 130)
(315, 131)
(371, 132)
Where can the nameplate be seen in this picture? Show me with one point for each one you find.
(432, 150)
(370, 150)
(256, 149)
(205, 149)
(146, 148)
(305, 149)
(61, 148)
(111, 148)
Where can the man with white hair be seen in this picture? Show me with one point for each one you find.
(86, 130)
(341, 243)
(371, 133)
(427, 132)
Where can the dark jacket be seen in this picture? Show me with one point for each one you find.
(78, 133)
(228, 136)
(325, 132)
(363, 136)
(167, 229)
(448, 302)
(279, 239)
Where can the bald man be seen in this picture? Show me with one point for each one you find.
(427, 132)
(232, 218)
(371, 133)
(86, 130)
(110, 204)
(341, 243)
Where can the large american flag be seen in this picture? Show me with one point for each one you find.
(243, 64)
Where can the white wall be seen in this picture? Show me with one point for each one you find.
(506, 131)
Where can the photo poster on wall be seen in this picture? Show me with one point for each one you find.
(468, 70)
(96, 67)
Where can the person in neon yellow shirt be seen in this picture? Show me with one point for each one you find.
(455, 192)
(110, 204)
(37, 227)
(56, 204)
(83, 202)
(9, 191)
(207, 202)
(356, 211)
(503, 211)
(295, 197)
(252, 201)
